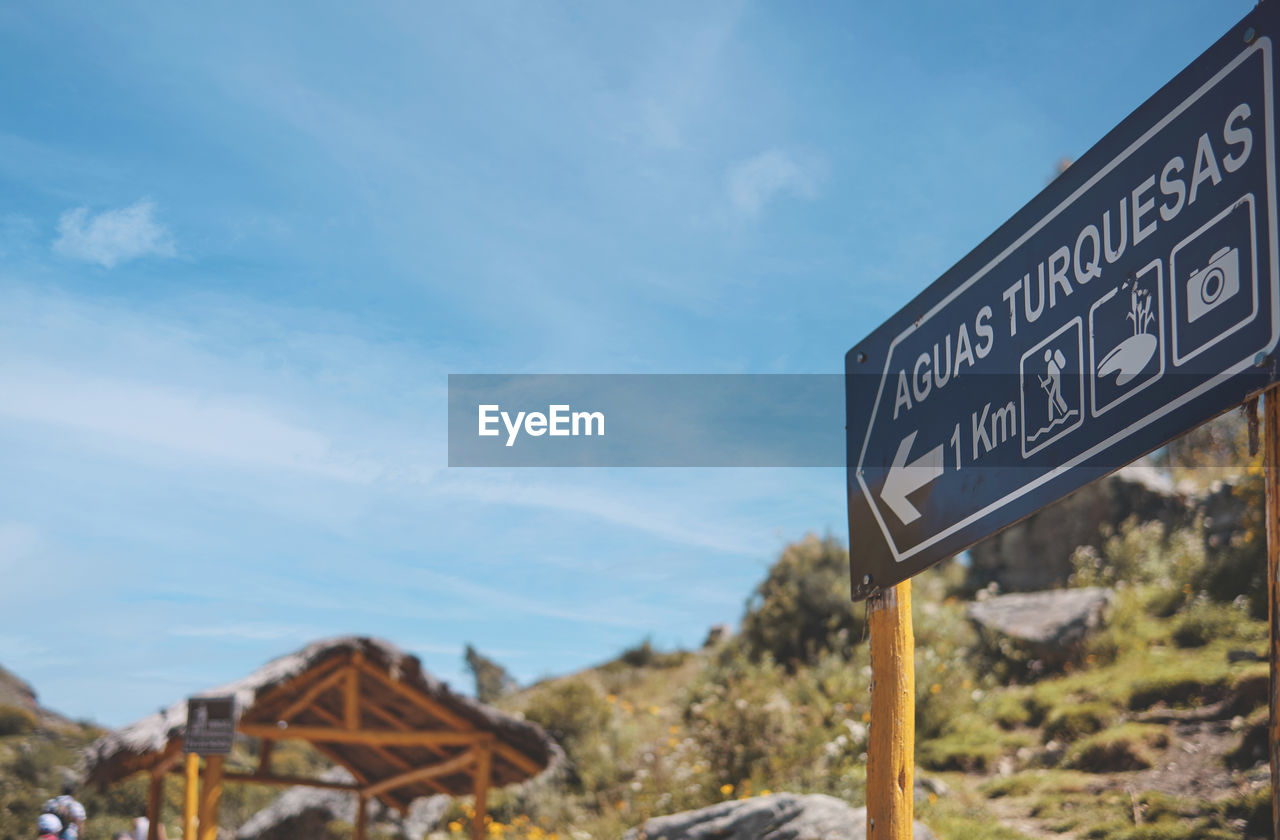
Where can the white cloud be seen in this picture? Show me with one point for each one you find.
(755, 182)
(113, 236)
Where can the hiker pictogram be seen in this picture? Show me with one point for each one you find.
(1052, 388)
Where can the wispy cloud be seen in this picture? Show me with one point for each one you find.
(754, 183)
(675, 524)
(251, 631)
(197, 423)
(113, 236)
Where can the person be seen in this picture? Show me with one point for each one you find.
(141, 825)
(68, 811)
(49, 826)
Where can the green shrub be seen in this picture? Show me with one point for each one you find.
(1141, 553)
(740, 719)
(492, 680)
(802, 608)
(644, 655)
(570, 710)
(15, 720)
(1203, 622)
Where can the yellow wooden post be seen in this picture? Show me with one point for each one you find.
(210, 797)
(890, 752)
(155, 795)
(191, 798)
(362, 808)
(484, 763)
(1272, 478)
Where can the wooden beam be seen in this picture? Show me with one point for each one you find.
(312, 694)
(482, 778)
(396, 723)
(210, 797)
(453, 765)
(260, 711)
(264, 757)
(361, 778)
(430, 706)
(362, 816)
(351, 699)
(383, 737)
(287, 781)
(505, 750)
(518, 758)
(890, 749)
(155, 796)
(447, 716)
(191, 796)
(386, 754)
(1271, 476)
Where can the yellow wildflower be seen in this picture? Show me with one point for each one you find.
(726, 789)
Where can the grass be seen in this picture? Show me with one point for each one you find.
(1071, 723)
(1128, 746)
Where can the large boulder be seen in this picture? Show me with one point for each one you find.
(1035, 553)
(1040, 630)
(779, 816)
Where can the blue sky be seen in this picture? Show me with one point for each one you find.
(241, 248)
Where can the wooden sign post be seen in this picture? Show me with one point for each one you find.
(891, 749)
(191, 798)
(1272, 478)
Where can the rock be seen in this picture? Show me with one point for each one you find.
(307, 812)
(779, 816)
(926, 785)
(1040, 630)
(1035, 553)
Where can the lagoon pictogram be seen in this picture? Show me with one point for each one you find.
(1131, 356)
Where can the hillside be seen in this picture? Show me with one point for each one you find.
(1148, 722)
(1154, 727)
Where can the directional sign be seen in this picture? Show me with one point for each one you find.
(211, 725)
(1134, 298)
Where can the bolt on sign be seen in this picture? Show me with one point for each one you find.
(211, 725)
(1134, 298)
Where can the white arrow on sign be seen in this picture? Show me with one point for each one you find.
(907, 478)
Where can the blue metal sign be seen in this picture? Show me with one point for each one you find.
(1134, 298)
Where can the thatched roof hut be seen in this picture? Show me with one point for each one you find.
(370, 708)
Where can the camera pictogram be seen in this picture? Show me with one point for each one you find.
(1213, 285)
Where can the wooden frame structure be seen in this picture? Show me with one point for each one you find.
(361, 703)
